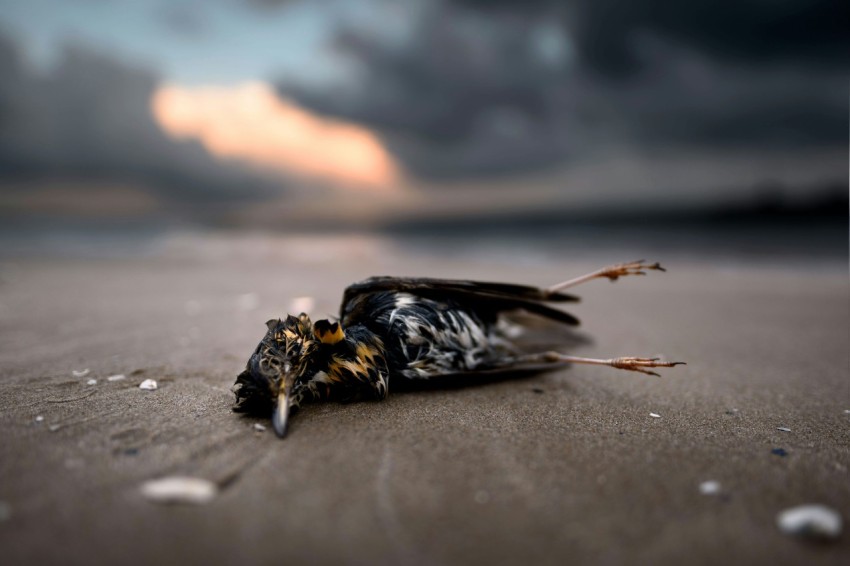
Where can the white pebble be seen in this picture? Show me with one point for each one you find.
(482, 497)
(80, 373)
(301, 304)
(148, 384)
(116, 377)
(39, 418)
(180, 489)
(258, 427)
(655, 415)
(91, 382)
(783, 428)
(710, 487)
(812, 521)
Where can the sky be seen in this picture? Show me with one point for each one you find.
(189, 42)
(426, 105)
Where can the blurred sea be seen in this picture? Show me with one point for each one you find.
(823, 243)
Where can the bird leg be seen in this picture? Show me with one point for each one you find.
(612, 272)
(628, 363)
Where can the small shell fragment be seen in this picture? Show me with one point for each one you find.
(179, 489)
(302, 304)
(810, 521)
(39, 418)
(783, 428)
(148, 385)
(116, 377)
(482, 496)
(258, 427)
(710, 487)
(655, 415)
(91, 382)
(80, 373)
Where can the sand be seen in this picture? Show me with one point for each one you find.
(567, 467)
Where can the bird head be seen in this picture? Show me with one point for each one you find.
(274, 368)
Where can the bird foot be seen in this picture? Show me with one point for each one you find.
(628, 362)
(640, 364)
(612, 272)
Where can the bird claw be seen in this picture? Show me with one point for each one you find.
(614, 272)
(640, 364)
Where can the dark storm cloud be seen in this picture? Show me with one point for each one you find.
(268, 3)
(481, 87)
(462, 95)
(89, 118)
(813, 33)
(185, 19)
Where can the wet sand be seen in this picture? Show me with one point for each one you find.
(566, 467)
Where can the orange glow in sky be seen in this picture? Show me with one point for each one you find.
(251, 122)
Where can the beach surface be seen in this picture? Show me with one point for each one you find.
(566, 467)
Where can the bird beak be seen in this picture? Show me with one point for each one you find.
(280, 417)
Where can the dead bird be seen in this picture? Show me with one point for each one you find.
(395, 329)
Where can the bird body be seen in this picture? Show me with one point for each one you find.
(423, 337)
(395, 330)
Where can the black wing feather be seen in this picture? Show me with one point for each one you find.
(414, 285)
(481, 296)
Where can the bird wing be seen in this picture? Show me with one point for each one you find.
(485, 298)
